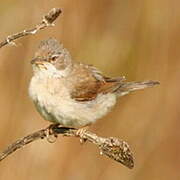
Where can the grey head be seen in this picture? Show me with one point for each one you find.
(52, 51)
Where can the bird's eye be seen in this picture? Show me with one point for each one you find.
(54, 57)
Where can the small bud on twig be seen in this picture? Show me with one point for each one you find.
(47, 21)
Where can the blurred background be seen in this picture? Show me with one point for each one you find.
(138, 39)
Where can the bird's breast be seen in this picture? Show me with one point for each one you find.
(54, 103)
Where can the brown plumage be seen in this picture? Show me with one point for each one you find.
(71, 93)
(87, 82)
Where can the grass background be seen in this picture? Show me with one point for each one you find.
(138, 39)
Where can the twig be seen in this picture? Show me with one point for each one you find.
(46, 21)
(112, 147)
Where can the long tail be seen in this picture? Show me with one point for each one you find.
(127, 87)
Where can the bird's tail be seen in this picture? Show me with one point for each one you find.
(127, 87)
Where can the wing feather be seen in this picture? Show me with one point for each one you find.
(88, 82)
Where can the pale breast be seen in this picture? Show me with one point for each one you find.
(53, 101)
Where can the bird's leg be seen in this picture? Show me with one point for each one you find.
(51, 136)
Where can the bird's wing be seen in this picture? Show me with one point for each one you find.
(88, 82)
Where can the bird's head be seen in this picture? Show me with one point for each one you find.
(51, 56)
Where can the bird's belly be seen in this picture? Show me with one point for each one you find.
(61, 108)
(76, 114)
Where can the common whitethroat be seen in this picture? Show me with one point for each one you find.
(70, 93)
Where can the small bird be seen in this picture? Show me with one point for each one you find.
(71, 93)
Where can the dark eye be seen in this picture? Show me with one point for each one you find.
(54, 57)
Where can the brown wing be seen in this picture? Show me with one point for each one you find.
(88, 82)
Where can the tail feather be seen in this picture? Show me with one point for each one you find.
(128, 87)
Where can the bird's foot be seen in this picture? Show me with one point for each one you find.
(80, 133)
(51, 136)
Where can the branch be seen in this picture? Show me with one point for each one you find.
(112, 147)
(46, 21)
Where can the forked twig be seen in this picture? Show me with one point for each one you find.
(46, 21)
(112, 147)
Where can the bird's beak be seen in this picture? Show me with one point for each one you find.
(38, 61)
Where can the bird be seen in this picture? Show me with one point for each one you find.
(71, 93)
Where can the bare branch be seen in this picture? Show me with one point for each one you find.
(46, 21)
(112, 147)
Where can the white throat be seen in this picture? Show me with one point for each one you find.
(49, 71)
